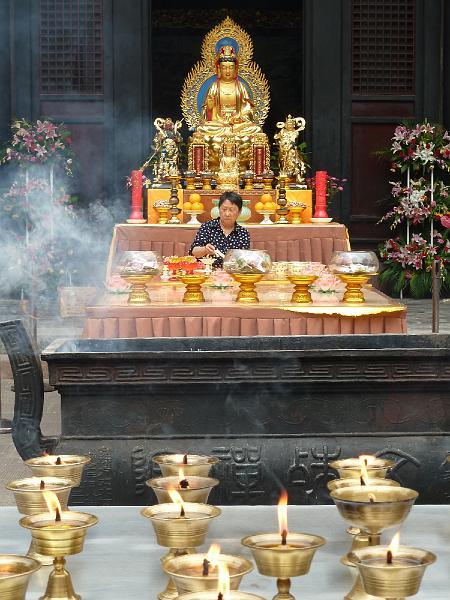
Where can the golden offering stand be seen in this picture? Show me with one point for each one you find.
(67, 466)
(283, 562)
(197, 490)
(247, 290)
(15, 573)
(192, 464)
(181, 532)
(59, 539)
(372, 508)
(162, 208)
(138, 295)
(193, 283)
(29, 497)
(301, 294)
(295, 211)
(395, 581)
(187, 572)
(354, 283)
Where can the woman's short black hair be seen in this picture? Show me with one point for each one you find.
(233, 197)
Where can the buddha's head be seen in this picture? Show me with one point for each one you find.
(227, 63)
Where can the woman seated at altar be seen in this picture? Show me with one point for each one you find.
(224, 233)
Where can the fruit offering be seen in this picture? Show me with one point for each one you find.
(266, 203)
(194, 203)
(186, 264)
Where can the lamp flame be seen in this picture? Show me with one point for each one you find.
(213, 555)
(393, 548)
(224, 581)
(366, 459)
(53, 504)
(364, 477)
(282, 516)
(183, 482)
(176, 499)
(372, 497)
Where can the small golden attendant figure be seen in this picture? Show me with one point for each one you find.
(228, 174)
(291, 165)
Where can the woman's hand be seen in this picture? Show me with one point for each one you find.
(200, 251)
(210, 249)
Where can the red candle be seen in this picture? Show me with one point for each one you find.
(136, 215)
(321, 195)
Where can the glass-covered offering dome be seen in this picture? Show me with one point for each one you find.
(135, 262)
(247, 262)
(354, 263)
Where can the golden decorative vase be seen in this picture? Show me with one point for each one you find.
(193, 283)
(301, 294)
(247, 290)
(354, 282)
(15, 573)
(138, 295)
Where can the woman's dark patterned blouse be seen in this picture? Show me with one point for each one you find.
(212, 233)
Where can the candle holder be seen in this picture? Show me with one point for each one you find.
(351, 467)
(15, 573)
(181, 533)
(283, 561)
(186, 572)
(189, 176)
(59, 539)
(359, 539)
(247, 290)
(400, 579)
(197, 491)
(174, 201)
(193, 283)
(192, 464)
(210, 595)
(68, 466)
(301, 294)
(267, 178)
(372, 508)
(29, 497)
(283, 209)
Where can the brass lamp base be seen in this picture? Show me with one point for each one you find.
(301, 294)
(193, 293)
(353, 293)
(283, 587)
(138, 295)
(247, 290)
(15, 573)
(59, 585)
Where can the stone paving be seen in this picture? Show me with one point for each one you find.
(11, 466)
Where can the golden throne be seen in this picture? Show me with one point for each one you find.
(226, 96)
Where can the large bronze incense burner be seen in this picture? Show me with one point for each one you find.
(269, 409)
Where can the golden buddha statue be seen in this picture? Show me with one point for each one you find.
(228, 173)
(225, 96)
(227, 109)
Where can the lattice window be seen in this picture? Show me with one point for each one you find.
(71, 46)
(383, 47)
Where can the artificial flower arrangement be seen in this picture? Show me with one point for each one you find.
(421, 207)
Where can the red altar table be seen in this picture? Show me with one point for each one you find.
(113, 318)
(306, 242)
